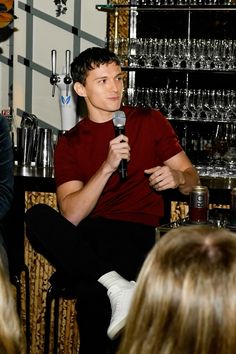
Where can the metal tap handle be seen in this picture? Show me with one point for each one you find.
(53, 78)
(67, 62)
(67, 78)
(54, 60)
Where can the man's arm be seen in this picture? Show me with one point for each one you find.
(177, 172)
(76, 200)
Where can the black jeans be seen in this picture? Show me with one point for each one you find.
(83, 254)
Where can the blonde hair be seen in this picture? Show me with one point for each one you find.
(185, 300)
(11, 339)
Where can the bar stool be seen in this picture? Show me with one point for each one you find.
(59, 288)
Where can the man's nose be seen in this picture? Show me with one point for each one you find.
(113, 85)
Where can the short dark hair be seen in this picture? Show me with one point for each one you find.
(88, 60)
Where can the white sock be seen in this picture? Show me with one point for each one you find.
(113, 278)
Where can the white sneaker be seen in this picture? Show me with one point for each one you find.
(120, 299)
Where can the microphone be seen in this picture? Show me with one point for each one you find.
(119, 125)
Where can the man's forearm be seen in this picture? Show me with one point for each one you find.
(76, 205)
(188, 179)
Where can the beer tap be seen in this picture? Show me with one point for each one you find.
(67, 78)
(67, 97)
(54, 79)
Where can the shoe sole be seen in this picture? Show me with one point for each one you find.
(114, 332)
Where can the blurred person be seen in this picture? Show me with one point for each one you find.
(185, 302)
(107, 225)
(11, 335)
(6, 181)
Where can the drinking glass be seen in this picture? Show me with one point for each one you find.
(134, 52)
(231, 55)
(220, 105)
(156, 99)
(147, 52)
(164, 53)
(194, 53)
(184, 103)
(192, 104)
(230, 104)
(176, 106)
(123, 49)
(216, 53)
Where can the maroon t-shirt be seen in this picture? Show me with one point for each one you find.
(82, 150)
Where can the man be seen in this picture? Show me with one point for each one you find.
(111, 222)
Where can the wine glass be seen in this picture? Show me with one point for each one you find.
(230, 104)
(134, 52)
(216, 53)
(148, 51)
(192, 103)
(176, 106)
(123, 48)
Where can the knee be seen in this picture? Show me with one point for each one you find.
(38, 212)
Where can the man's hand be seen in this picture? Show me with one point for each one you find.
(118, 149)
(163, 177)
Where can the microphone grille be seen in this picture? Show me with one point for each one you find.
(119, 119)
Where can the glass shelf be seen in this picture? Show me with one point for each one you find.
(169, 69)
(200, 120)
(128, 7)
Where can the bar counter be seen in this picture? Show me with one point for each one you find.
(39, 178)
(44, 178)
(215, 183)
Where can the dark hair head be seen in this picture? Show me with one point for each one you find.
(90, 59)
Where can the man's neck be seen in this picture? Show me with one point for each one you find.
(100, 116)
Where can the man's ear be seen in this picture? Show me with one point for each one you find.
(80, 89)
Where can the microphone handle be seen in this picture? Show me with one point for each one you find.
(122, 168)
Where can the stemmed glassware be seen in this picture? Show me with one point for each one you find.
(147, 45)
(192, 104)
(184, 103)
(135, 52)
(176, 106)
(176, 53)
(205, 103)
(230, 104)
(123, 50)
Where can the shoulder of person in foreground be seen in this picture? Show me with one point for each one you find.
(6, 168)
(185, 292)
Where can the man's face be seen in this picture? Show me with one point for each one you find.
(104, 87)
